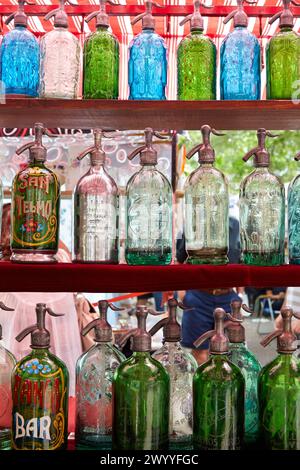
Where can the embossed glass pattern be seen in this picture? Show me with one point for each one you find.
(206, 216)
(101, 65)
(60, 64)
(149, 218)
(7, 364)
(240, 66)
(181, 367)
(218, 391)
(240, 355)
(279, 400)
(94, 375)
(283, 64)
(294, 220)
(262, 218)
(141, 391)
(147, 67)
(20, 62)
(196, 67)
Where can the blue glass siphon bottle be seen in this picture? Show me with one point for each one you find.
(20, 57)
(147, 68)
(294, 218)
(240, 60)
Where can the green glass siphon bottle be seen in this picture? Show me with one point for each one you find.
(7, 364)
(141, 394)
(218, 394)
(40, 385)
(262, 210)
(101, 59)
(94, 376)
(279, 390)
(206, 205)
(181, 366)
(196, 61)
(242, 357)
(35, 206)
(283, 57)
(148, 210)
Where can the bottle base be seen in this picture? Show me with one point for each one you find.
(5, 439)
(207, 256)
(23, 257)
(180, 443)
(152, 258)
(83, 261)
(263, 259)
(294, 261)
(94, 442)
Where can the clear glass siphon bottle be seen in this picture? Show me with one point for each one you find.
(60, 58)
(141, 393)
(101, 59)
(147, 66)
(40, 387)
(35, 206)
(20, 57)
(181, 366)
(294, 218)
(148, 210)
(279, 390)
(242, 357)
(218, 393)
(283, 57)
(7, 364)
(240, 59)
(96, 210)
(94, 376)
(206, 205)
(196, 61)
(262, 210)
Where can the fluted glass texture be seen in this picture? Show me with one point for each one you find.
(96, 209)
(240, 355)
(149, 218)
(94, 376)
(218, 391)
(101, 65)
(141, 391)
(262, 218)
(279, 402)
(181, 367)
(7, 364)
(283, 65)
(240, 66)
(147, 67)
(20, 62)
(60, 65)
(196, 67)
(206, 206)
(294, 220)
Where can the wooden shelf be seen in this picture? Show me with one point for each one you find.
(68, 277)
(132, 115)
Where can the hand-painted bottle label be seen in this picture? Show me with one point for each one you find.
(35, 210)
(39, 407)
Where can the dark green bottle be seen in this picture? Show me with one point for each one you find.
(279, 391)
(218, 394)
(141, 391)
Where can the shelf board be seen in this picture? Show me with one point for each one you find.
(68, 277)
(133, 115)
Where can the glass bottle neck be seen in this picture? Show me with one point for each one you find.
(286, 29)
(261, 169)
(237, 345)
(39, 352)
(141, 355)
(147, 167)
(206, 165)
(102, 28)
(196, 32)
(148, 30)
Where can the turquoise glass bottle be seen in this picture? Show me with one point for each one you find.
(262, 210)
(283, 57)
(240, 60)
(206, 205)
(218, 393)
(101, 59)
(196, 61)
(242, 357)
(20, 57)
(148, 210)
(40, 387)
(181, 366)
(294, 218)
(279, 390)
(94, 376)
(147, 66)
(141, 394)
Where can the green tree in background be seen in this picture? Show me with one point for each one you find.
(231, 148)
